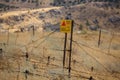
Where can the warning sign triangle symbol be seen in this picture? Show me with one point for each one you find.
(63, 23)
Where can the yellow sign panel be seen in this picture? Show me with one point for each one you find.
(65, 26)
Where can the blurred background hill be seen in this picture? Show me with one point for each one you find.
(89, 14)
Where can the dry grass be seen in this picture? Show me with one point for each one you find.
(85, 52)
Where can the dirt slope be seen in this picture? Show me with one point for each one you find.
(88, 15)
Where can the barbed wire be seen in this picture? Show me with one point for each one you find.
(77, 43)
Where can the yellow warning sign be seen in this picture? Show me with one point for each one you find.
(65, 26)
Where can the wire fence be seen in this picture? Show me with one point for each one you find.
(43, 39)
